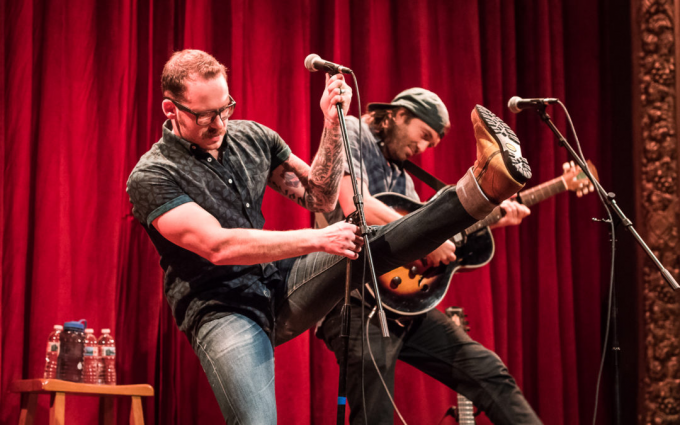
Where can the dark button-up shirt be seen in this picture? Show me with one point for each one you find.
(175, 172)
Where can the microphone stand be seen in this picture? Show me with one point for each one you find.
(609, 198)
(347, 308)
(611, 202)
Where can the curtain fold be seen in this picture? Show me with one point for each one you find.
(81, 102)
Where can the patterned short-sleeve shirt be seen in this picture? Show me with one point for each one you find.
(174, 172)
(379, 174)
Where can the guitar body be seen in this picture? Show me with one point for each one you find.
(476, 251)
(415, 290)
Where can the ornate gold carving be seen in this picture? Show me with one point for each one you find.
(659, 206)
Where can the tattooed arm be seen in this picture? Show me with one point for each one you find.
(316, 187)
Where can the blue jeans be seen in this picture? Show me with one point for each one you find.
(238, 359)
(237, 355)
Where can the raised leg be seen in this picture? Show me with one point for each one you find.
(314, 283)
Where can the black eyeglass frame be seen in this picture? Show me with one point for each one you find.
(216, 112)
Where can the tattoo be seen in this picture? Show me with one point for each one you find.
(321, 182)
(326, 171)
(292, 179)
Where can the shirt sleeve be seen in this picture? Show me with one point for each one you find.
(355, 147)
(153, 192)
(411, 188)
(279, 150)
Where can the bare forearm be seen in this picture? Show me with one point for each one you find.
(251, 246)
(194, 229)
(326, 171)
(377, 213)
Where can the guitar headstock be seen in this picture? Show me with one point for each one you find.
(459, 318)
(576, 180)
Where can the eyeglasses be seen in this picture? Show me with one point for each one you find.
(206, 118)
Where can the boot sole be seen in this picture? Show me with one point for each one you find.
(508, 143)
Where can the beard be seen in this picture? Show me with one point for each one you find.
(396, 141)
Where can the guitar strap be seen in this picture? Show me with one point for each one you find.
(423, 175)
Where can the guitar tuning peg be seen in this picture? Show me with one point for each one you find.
(579, 193)
(565, 166)
(572, 164)
(585, 190)
(592, 188)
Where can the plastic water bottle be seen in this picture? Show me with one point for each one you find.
(70, 360)
(52, 353)
(107, 352)
(90, 358)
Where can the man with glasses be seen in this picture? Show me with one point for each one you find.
(204, 119)
(236, 290)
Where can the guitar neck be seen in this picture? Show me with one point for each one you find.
(466, 411)
(528, 197)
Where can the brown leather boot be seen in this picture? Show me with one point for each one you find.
(499, 169)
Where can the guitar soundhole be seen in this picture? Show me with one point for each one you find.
(425, 288)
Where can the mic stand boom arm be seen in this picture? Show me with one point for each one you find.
(609, 197)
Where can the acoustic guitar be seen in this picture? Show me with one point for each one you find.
(416, 289)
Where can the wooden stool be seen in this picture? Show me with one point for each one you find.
(31, 388)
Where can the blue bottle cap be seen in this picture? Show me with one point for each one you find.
(77, 326)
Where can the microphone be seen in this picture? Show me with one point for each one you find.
(517, 104)
(314, 63)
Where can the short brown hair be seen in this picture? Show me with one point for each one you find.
(185, 65)
(381, 121)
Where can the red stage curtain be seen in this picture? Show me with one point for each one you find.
(81, 103)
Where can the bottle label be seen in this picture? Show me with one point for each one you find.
(53, 347)
(109, 351)
(91, 351)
